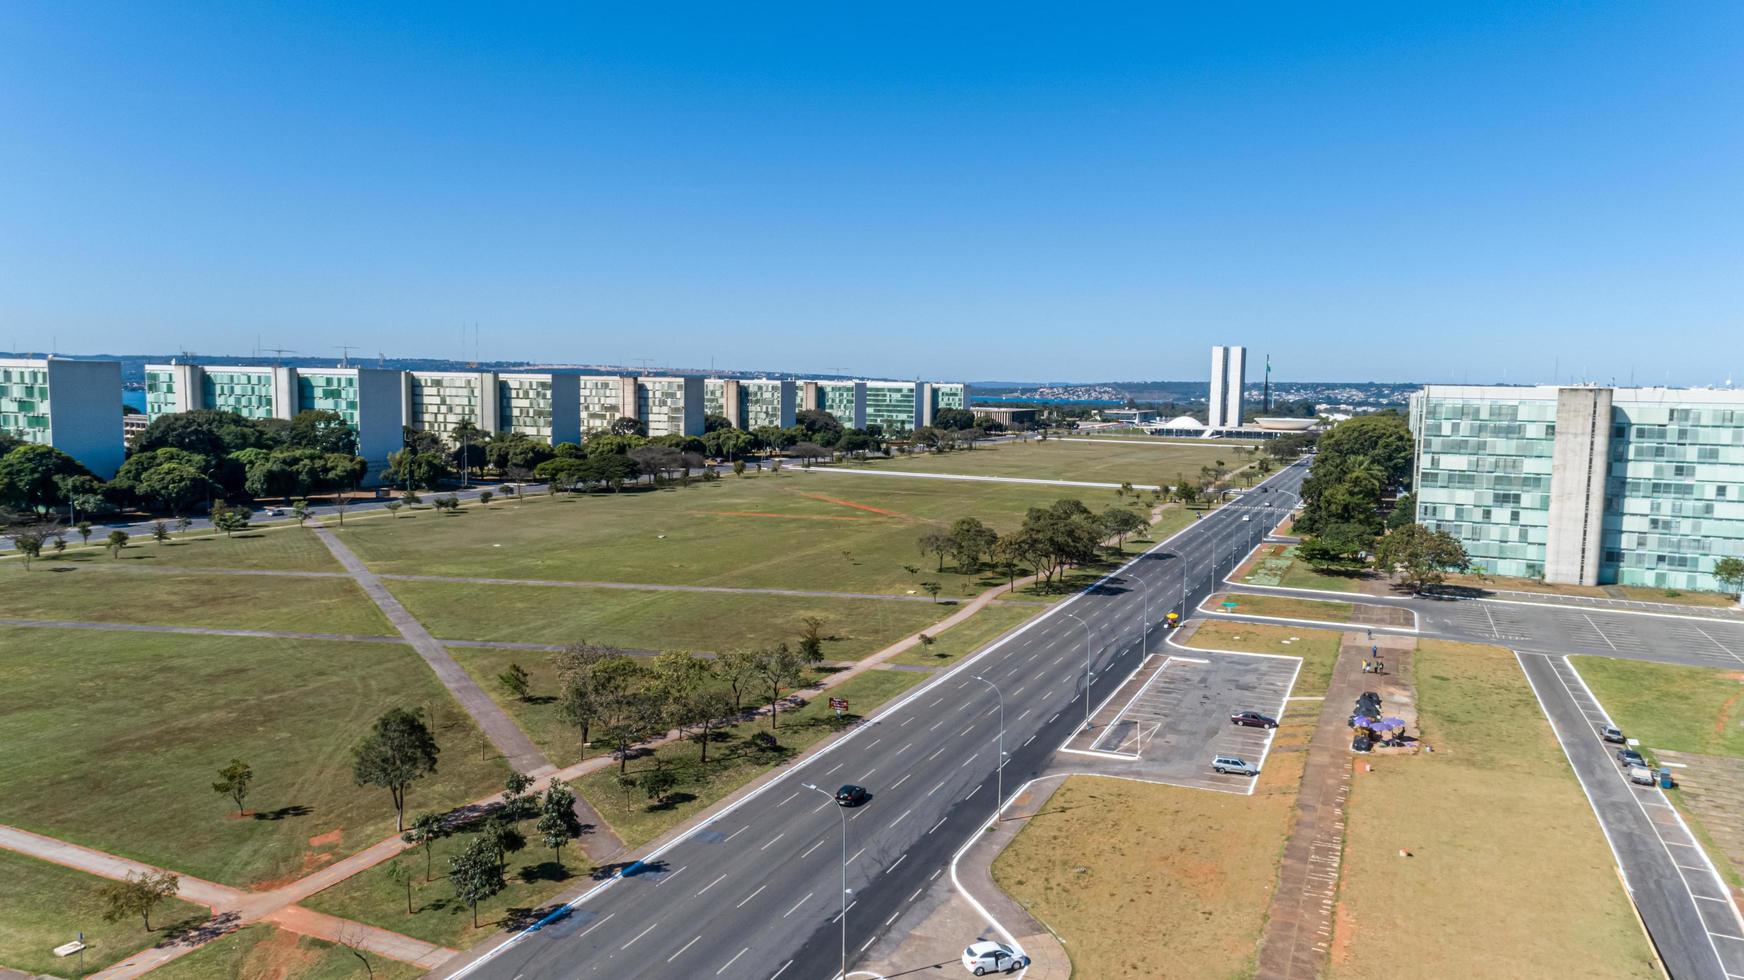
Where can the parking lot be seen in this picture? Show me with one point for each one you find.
(1541, 627)
(1172, 717)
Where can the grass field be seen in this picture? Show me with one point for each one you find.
(967, 637)
(1093, 462)
(292, 549)
(1479, 806)
(733, 761)
(659, 620)
(266, 952)
(43, 905)
(1144, 880)
(1277, 565)
(115, 746)
(177, 598)
(1671, 706)
(772, 531)
(1317, 648)
(1284, 607)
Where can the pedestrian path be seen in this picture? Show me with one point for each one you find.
(975, 478)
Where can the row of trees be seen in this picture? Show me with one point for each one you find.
(1050, 538)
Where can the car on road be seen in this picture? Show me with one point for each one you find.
(1611, 733)
(1642, 776)
(851, 795)
(1252, 719)
(1226, 764)
(987, 957)
(1246, 518)
(1630, 758)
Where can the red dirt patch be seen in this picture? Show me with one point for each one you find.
(277, 957)
(849, 503)
(333, 836)
(1725, 713)
(791, 517)
(1343, 928)
(311, 861)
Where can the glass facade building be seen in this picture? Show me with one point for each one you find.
(71, 405)
(894, 406)
(1665, 492)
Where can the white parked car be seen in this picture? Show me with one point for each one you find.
(987, 957)
(1225, 764)
(1641, 776)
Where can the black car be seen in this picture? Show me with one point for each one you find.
(1252, 719)
(851, 795)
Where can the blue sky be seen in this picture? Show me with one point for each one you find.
(1014, 191)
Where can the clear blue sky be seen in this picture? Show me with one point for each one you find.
(1401, 191)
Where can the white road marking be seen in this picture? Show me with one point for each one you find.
(868, 775)
(736, 833)
(1027, 741)
(965, 731)
(875, 741)
(639, 935)
(936, 701)
(936, 826)
(856, 856)
(904, 814)
(904, 779)
(596, 925)
(669, 877)
(899, 860)
(935, 789)
(711, 884)
(811, 849)
(730, 962)
(969, 760)
(916, 894)
(837, 766)
(936, 724)
(783, 969)
(789, 799)
(972, 793)
(772, 840)
(904, 722)
(906, 746)
(838, 917)
(935, 755)
(681, 949)
(754, 894)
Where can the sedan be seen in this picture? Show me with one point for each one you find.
(1630, 757)
(1252, 719)
(851, 795)
(987, 957)
(1612, 733)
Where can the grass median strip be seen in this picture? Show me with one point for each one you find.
(266, 952)
(1283, 607)
(43, 905)
(1431, 838)
(1317, 648)
(979, 630)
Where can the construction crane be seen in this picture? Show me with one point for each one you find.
(278, 353)
(345, 353)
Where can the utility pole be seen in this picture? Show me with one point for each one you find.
(844, 812)
(999, 771)
(1086, 626)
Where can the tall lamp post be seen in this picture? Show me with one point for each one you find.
(999, 772)
(844, 813)
(1086, 626)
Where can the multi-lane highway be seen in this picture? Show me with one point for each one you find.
(757, 891)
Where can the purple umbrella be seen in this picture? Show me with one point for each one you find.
(1388, 724)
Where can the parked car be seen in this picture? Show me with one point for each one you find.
(1630, 757)
(1226, 764)
(1252, 719)
(851, 795)
(1642, 776)
(987, 957)
(1612, 733)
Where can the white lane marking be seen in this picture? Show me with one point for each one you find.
(969, 760)
(935, 755)
(868, 943)
(820, 806)
(899, 860)
(936, 724)
(850, 908)
(1018, 691)
(898, 820)
(892, 918)
(1027, 741)
(916, 894)
(936, 701)
(730, 962)
(1025, 714)
(789, 799)
(797, 904)
(783, 969)
(639, 935)
(936, 826)
(856, 856)
(837, 766)
(1596, 629)
(711, 885)
(904, 779)
(965, 731)
(905, 721)
(669, 877)
(935, 789)
(972, 793)
(681, 949)
(736, 833)
(772, 840)
(754, 894)
(810, 849)
(905, 748)
(875, 741)
(868, 776)
(596, 925)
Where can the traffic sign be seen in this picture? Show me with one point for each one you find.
(1228, 605)
(839, 704)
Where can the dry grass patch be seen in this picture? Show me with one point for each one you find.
(1284, 607)
(1317, 648)
(1509, 874)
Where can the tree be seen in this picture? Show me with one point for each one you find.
(1404, 511)
(778, 667)
(1338, 546)
(811, 641)
(932, 588)
(805, 452)
(393, 508)
(558, 824)
(515, 681)
(817, 424)
(738, 467)
(398, 751)
(1729, 572)
(427, 829)
(28, 476)
(138, 894)
(504, 840)
(160, 531)
(658, 783)
(633, 715)
(84, 529)
(228, 519)
(82, 493)
(416, 470)
(27, 541)
(1118, 522)
(485, 497)
(590, 676)
(939, 543)
(175, 487)
(1011, 553)
(738, 670)
(971, 541)
(466, 435)
(322, 431)
(953, 419)
(115, 542)
(301, 510)
(475, 874)
(515, 797)
(1420, 556)
(184, 522)
(233, 782)
(702, 711)
(625, 425)
(399, 874)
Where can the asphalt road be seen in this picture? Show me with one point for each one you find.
(756, 893)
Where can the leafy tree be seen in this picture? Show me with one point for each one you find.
(138, 894)
(971, 541)
(1118, 522)
(738, 670)
(82, 493)
(1420, 556)
(504, 840)
(512, 451)
(160, 531)
(475, 874)
(1404, 511)
(817, 424)
(778, 668)
(738, 467)
(427, 829)
(634, 715)
(398, 751)
(625, 425)
(953, 419)
(233, 781)
(322, 431)
(229, 519)
(416, 470)
(1729, 572)
(183, 522)
(485, 497)
(84, 529)
(212, 434)
(939, 543)
(658, 783)
(676, 675)
(1339, 546)
(301, 510)
(28, 476)
(811, 641)
(728, 443)
(399, 874)
(115, 542)
(393, 508)
(805, 452)
(515, 797)
(28, 541)
(558, 824)
(591, 675)
(1011, 553)
(703, 711)
(515, 681)
(932, 588)
(175, 487)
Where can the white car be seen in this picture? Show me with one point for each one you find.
(1641, 776)
(987, 957)
(1246, 518)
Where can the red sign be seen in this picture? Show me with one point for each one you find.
(839, 704)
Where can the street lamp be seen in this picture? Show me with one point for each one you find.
(999, 773)
(844, 812)
(1086, 626)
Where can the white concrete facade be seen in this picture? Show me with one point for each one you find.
(72, 405)
(1228, 378)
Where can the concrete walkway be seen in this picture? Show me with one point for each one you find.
(911, 474)
(82, 624)
(492, 720)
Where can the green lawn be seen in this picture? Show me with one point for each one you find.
(533, 877)
(537, 715)
(1095, 462)
(177, 598)
(290, 549)
(115, 745)
(1284, 607)
(1670, 706)
(733, 761)
(705, 621)
(43, 905)
(1317, 648)
(1277, 565)
(266, 952)
(979, 630)
(1477, 804)
(789, 531)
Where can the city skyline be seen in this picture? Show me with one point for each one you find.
(1399, 195)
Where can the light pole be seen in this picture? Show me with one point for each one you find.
(1086, 626)
(999, 773)
(844, 813)
(1144, 637)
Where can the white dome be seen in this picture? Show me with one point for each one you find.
(1184, 422)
